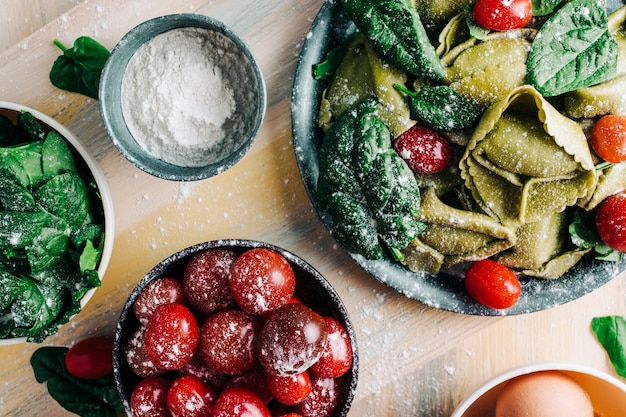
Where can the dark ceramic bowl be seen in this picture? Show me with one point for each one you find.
(311, 288)
(243, 77)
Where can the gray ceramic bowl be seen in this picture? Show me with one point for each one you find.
(241, 75)
(311, 288)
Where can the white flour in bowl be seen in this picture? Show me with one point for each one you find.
(179, 99)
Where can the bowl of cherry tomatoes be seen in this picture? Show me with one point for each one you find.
(230, 327)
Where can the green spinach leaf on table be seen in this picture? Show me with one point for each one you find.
(85, 397)
(611, 333)
(80, 67)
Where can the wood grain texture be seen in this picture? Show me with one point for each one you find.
(415, 360)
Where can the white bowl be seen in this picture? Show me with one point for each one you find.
(607, 393)
(11, 110)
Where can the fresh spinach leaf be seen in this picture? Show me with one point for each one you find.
(28, 157)
(85, 397)
(56, 156)
(66, 196)
(365, 187)
(584, 234)
(544, 7)
(327, 67)
(395, 30)
(31, 310)
(441, 107)
(14, 194)
(611, 333)
(30, 126)
(573, 49)
(51, 234)
(80, 67)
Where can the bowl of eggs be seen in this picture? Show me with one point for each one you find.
(547, 390)
(56, 227)
(231, 323)
(182, 97)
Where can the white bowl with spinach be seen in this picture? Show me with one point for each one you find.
(56, 225)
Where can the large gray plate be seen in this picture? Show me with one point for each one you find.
(443, 290)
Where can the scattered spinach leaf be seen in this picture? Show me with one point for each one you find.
(395, 30)
(365, 187)
(573, 49)
(441, 107)
(51, 233)
(611, 333)
(80, 67)
(85, 397)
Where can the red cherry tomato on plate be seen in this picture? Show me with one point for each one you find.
(190, 396)
(424, 150)
(155, 294)
(503, 14)
(149, 398)
(291, 340)
(172, 336)
(228, 341)
(324, 397)
(90, 358)
(261, 280)
(492, 284)
(608, 138)
(337, 357)
(290, 389)
(239, 402)
(611, 221)
(205, 280)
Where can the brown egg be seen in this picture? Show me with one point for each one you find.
(543, 394)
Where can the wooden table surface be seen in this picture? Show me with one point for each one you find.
(414, 360)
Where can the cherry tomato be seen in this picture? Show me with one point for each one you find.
(290, 389)
(503, 14)
(90, 358)
(611, 221)
(239, 402)
(228, 341)
(137, 356)
(205, 280)
(155, 294)
(608, 138)
(291, 340)
(149, 398)
(190, 396)
(324, 397)
(171, 336)
(337, 356)
(424, 150)
(261, 280)
(492, 284)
